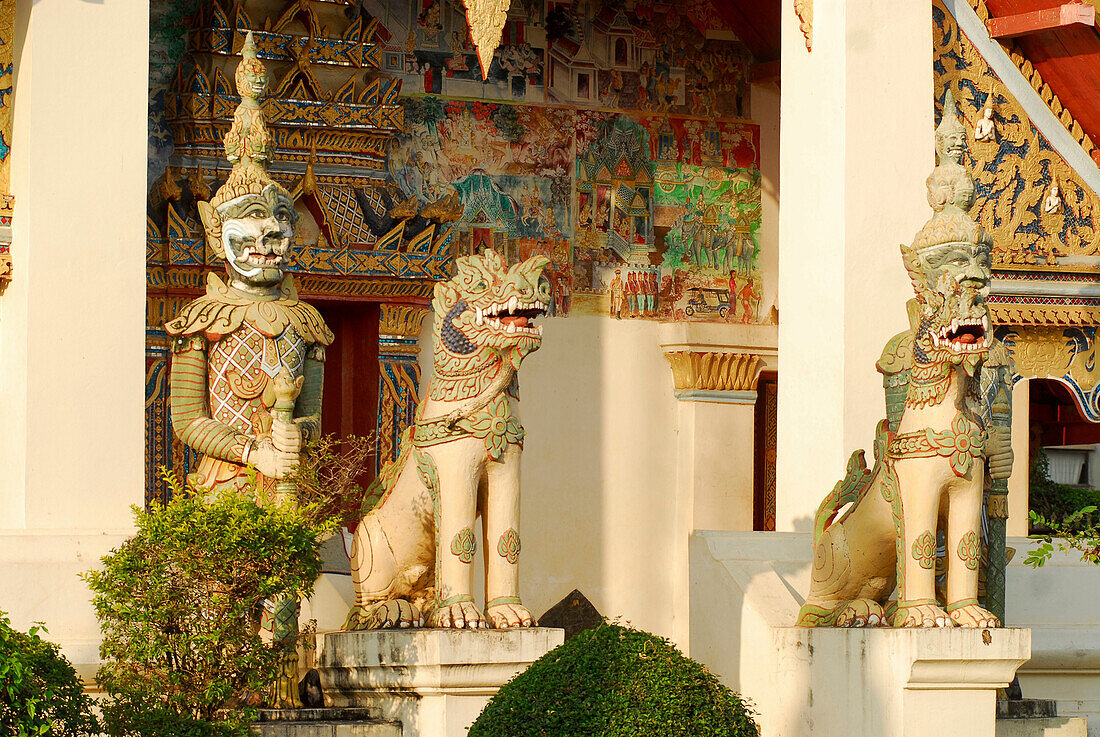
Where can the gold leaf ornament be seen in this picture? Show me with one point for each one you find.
(486, 19)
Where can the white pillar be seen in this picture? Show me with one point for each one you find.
(1019, 482)
(72, 325)
(857, 144)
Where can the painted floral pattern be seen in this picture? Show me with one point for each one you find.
(464, 545)
(970, 550)
(924, 549)
(508, 547)
(496, 426)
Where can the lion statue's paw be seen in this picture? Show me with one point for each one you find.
(506, 616)
(921, 615)
(972, 615)
(459, 615)
(860, 613)
(383, 615)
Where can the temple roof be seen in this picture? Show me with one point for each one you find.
(1067, 59)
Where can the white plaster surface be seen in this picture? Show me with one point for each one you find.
(857, 144)
(747, 586)
(435, 682)
(73, 319)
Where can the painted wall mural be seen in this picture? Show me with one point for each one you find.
(642, 216)
(646, 211)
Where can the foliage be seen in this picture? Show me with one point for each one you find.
(328, 478)
(1054, 501)
(1062, 516)
(40, 692)
(1077, 532)
(613, 681)
(427, 111)
(169, 28)
(559, 24)
(178, 604)
(506, 120)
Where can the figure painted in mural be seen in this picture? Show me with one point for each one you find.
(616, 288)
(248, 361)
(632, 294)
(932, 452)
(750, 297)
(413, 552)
(248, 139)
(651, 293)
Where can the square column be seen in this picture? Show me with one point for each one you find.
(857, 144)
(73, 318)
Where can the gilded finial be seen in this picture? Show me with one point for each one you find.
(248, 140)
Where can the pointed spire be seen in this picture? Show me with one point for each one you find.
(950, 133)
(248, 51)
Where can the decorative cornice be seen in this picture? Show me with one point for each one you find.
(713, 371)
(1045, 314)
(399, 320)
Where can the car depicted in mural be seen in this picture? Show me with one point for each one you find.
(703, 301)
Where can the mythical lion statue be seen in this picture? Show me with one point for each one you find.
(413, 552)
(878, 529)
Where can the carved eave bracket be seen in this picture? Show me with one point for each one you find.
(718, 363)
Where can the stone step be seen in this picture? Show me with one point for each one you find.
(1026, 708)
(331, 714)
(1042, 727)
(332, 722)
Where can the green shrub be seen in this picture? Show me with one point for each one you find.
(1057, 503)
(178, 605)
(40, 692)
(613, 681)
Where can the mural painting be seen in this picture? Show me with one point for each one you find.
(642, 216)
(641, 55)
(645, 211)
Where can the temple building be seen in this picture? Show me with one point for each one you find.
(719, 189)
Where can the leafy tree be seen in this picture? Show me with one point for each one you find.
(613, 681)
(506, 120)
(178, 604)
(40, 691)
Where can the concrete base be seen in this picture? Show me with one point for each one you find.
(324, 723)
(890, 683)
(1046, 727)
(435, 682)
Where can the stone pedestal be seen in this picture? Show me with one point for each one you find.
(891, 683)
(435, 682)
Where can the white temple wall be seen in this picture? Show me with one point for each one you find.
(856, 147)
(72, 321)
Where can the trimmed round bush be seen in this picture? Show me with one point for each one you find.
(614, 681)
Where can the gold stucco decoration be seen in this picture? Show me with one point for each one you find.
(398, 319)
(1015, 169)
(713, 371)
(804, 9)
(486, 19)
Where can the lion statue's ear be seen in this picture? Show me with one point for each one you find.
(212, 224)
